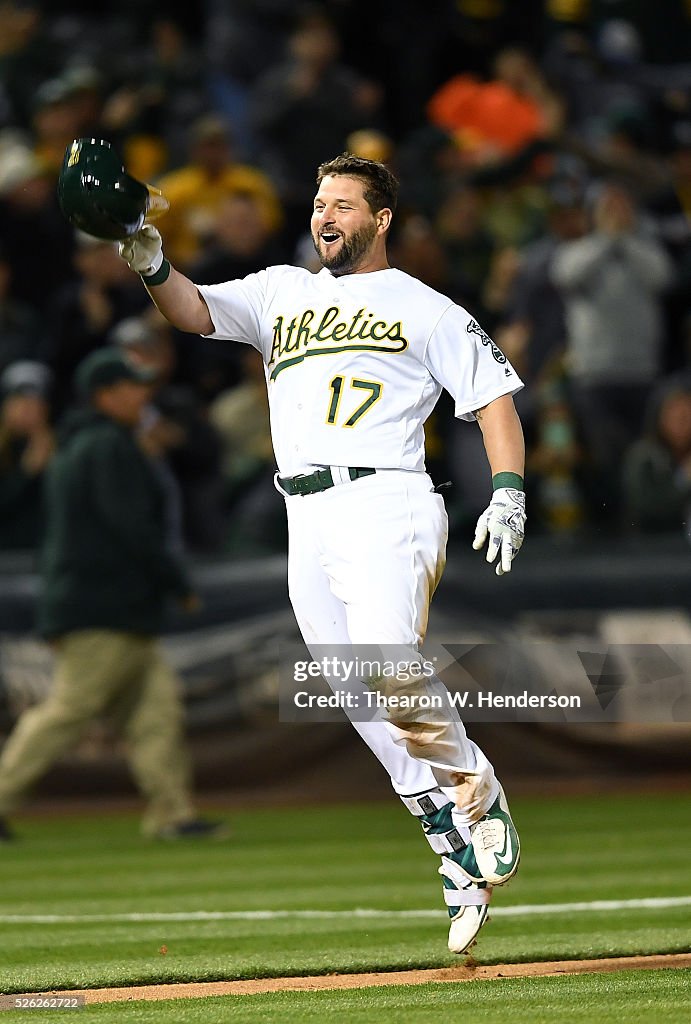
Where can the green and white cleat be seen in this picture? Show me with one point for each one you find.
(467, 900)
(495, 843)
(467, 885)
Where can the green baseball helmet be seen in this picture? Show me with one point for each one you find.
(96, 193)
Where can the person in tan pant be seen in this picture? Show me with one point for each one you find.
(106, 574)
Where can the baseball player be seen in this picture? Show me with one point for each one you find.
(355, 359)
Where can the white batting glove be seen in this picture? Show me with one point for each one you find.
(143, 252)
(504, 522)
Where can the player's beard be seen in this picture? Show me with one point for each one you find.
(350, 253)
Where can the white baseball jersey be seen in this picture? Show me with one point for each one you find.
(355, 364)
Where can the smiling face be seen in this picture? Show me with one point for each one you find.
(348, 236)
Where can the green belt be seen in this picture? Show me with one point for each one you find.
(318, 481)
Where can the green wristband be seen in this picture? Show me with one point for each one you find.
(161, 275)
(507, 480)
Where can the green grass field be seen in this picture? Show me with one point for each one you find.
(631, 997)
(69, 883)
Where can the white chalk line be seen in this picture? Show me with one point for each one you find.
(521, 910)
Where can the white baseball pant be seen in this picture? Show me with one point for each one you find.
(364, 559)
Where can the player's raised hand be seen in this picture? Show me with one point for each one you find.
(143, 252)
(503, 521)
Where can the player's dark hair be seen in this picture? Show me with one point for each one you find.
(381, 185)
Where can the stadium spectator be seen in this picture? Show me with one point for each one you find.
(556, 464)
(533, 331)
(241, 242)
(594, 76)
(468, 244)
(632, 30)
(83, 312)
(106, 576)
(20, 324)
(32, 229)
(431, 168)
(612, 281)
(493, 120)
(195, 192)
(372, 144)
(305, 107)
(670, 210)
(161, 90)
(656, 478)
(240, 415)
(175, 430)
(152, 349)
(27, 59)
(27, 443)
(416, 250)
(499, 285)
(58, 119)
(85, 85)
(243, 40)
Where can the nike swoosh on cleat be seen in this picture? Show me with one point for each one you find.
(507, 856)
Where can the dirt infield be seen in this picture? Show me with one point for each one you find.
(468, 971)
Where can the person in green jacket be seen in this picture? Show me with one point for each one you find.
(107, 574)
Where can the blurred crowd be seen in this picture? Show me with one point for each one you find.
(544, 154)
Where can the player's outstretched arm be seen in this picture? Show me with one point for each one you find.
(503, 521)
(175, 295)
